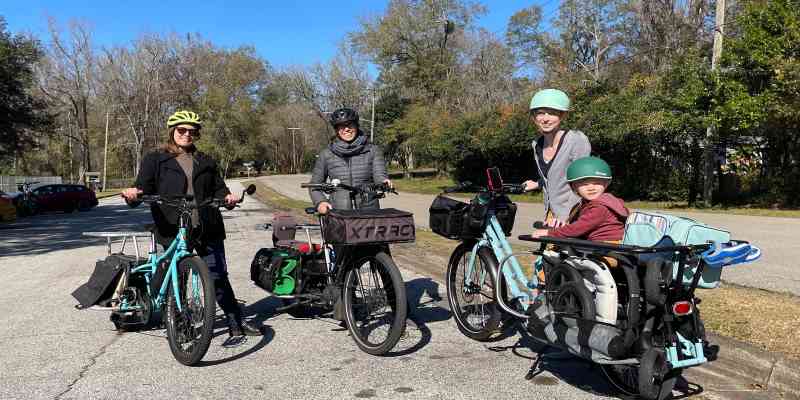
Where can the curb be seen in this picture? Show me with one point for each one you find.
(773, 373)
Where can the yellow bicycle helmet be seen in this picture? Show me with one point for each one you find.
(183, 117)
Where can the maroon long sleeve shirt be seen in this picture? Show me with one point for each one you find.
(602, 219)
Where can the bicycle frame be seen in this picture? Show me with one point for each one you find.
(176, 251)
(494, 238)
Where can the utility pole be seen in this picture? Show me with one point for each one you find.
(294, 153)
(372, 118)
(719, 26)
(105, 155)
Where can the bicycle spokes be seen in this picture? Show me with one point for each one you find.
(372, 304)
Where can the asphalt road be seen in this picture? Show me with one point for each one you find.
(777, 237)
(50, 350)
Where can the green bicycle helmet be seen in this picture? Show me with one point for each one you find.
(588, 167)
(550, 98)
(184, 117)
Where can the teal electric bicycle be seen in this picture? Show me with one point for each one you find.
(176, 284)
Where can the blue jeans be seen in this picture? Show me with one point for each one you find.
(213, 253)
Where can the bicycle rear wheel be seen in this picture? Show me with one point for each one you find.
(470, 291)
(375, 303)
(189, 330)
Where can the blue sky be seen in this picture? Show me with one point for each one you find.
(283, 32)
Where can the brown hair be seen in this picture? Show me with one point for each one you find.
(171, 147)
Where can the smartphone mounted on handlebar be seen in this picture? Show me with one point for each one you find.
(493, 179)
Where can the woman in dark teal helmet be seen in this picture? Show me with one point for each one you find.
(554, 150)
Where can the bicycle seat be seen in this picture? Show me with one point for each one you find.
(311, 210)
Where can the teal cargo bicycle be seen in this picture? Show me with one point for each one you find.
(176, 284)
(631, 307)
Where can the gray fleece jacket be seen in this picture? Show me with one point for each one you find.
(558, 196)
(368, 166)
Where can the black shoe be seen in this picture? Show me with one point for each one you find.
(250, 329)
(234, 327)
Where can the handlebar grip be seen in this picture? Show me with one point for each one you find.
(304, 185)
(539, 225)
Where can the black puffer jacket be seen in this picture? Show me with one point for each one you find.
(366, 167)
(161, 174)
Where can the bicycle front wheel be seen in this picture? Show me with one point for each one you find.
(189, 330)
(470, 291)
(375, 303)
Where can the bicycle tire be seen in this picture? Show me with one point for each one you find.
(475, 319)
(182, 326)
(360, 302)
(656, 380)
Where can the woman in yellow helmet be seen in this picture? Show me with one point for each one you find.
(178, 169)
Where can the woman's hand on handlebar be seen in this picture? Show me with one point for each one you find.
(530, 185)
(131, 194)
(323, 207)
(231, 199)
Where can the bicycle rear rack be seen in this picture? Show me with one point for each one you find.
(125, 235)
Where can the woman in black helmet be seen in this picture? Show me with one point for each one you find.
(351, 159)
(167, 172)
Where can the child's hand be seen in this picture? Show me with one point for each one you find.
(539, 233)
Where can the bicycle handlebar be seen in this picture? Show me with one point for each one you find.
(185, 202)
(370, 188)
(468, 186)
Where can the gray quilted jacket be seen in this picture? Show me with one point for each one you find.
(366, 167)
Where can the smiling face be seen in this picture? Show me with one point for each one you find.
(184, 135)
(590, 188)
(347, 131)
(547, 120)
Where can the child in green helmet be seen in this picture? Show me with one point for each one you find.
(600, 216)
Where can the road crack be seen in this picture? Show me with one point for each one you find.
(85, 369)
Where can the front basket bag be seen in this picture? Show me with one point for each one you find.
(386, 225)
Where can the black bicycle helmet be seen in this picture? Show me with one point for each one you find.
(344, 115)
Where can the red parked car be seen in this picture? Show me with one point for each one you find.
(64, 197)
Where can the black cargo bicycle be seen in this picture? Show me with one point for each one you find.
(351, 271)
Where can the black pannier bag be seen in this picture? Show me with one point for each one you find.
(388, 225)
(474, 219)
(103, 281)
(446, 217)
(506, 212)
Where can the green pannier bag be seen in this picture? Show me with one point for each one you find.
(646, 229)
(276, 270)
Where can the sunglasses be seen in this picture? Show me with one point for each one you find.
(348, 125)
(187, 131)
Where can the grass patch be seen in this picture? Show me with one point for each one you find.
(107, 193)
(766, 319)
(267, 195)
(433, 185)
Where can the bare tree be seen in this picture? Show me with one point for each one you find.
(67, 78)
(133, 81)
